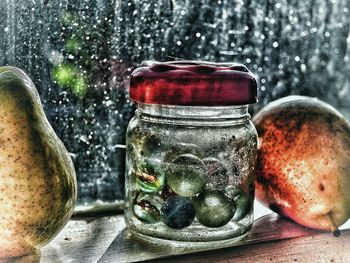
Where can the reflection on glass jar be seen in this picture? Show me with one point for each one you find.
(190, 168)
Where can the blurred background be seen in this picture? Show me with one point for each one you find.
(80, 55)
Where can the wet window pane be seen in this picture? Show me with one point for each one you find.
(80, 54)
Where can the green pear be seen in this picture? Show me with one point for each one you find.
(37, 177)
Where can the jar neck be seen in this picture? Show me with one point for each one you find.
(195, 115)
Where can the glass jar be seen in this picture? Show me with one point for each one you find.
(191, 154)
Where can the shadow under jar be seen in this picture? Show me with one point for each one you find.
(191, 153)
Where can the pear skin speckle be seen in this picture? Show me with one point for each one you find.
(37, 177)
(303, 166)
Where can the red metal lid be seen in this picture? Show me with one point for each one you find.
(193, 83)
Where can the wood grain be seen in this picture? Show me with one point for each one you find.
(273, 239)
(127, 248)
(83, 241)
(316, 249)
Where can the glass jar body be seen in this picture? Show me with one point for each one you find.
(190, 174)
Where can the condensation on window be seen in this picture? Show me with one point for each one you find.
(80, 55)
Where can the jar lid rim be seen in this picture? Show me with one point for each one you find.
(193, 83)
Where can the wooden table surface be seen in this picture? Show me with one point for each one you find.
(87, 240)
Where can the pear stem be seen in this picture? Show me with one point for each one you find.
(334, 227)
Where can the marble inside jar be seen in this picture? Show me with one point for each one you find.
(190, 183)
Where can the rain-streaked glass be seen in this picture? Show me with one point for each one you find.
(80, 54)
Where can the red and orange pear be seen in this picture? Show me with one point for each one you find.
(303, 169)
